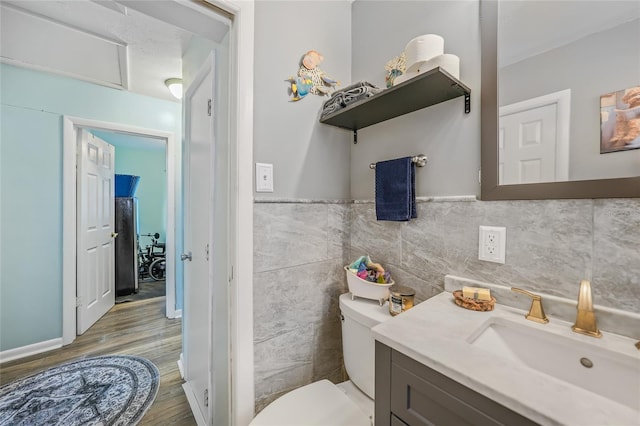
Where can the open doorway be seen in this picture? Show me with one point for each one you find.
(163, 143)
(141, 183)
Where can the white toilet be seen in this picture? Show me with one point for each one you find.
(346, 404)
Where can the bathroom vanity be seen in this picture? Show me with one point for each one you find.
(440, 364)
(410, 393)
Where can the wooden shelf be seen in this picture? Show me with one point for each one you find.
(429, 88)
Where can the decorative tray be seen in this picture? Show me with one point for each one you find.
(473, 304)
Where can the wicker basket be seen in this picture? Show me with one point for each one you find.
(473, 304)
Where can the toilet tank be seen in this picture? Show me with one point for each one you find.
(359, 316)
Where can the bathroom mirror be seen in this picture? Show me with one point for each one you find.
(588, 173)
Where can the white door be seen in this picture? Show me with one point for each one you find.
(95, 247)
(198, 209)
(528, 146)
(533, 138)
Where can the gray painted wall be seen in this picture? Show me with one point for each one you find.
(449, 138)
(601, 63)
(311, 160)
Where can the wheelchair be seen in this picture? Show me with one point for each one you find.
(152, 260)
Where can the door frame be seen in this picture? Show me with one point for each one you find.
(208, 66)
(241, 72)
(71, 127)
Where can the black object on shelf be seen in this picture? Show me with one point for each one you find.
(429, 88)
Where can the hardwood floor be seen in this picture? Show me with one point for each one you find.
(135, 328)
(147, 289)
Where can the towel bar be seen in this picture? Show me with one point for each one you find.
(420, 160)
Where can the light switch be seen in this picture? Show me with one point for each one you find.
(264, 177)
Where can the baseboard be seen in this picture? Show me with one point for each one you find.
(181, 367)
(33, 349)
(193, 403)
(176, 313)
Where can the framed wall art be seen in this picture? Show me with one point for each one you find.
(620, 120)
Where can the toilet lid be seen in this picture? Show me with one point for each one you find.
(319, 404)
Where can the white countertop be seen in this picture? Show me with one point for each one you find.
(436, 332)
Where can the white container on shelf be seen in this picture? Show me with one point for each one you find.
(365, 289)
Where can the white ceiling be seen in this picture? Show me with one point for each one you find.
(153, 48)
(528, 28)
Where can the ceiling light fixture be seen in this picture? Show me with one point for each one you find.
(175, 87)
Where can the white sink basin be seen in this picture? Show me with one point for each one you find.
(551, 350)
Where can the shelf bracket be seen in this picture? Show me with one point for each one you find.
(355, 136)
(467, 103)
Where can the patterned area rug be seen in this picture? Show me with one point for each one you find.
(107, 390)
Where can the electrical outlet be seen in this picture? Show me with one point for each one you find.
(492, 243)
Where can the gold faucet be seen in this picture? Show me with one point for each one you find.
(536, 313)
(586, 319)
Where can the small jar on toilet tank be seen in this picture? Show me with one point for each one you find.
(400, 299)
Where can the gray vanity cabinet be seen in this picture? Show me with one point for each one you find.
(410, 393)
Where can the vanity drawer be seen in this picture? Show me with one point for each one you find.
(419, 395)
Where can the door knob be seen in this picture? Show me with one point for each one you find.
(186, 256)
(114, 234)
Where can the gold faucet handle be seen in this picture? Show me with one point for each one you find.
(536, 312)
(531, 295)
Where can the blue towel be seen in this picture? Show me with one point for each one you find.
(396, 190)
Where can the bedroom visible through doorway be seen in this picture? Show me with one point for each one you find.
(140, 159)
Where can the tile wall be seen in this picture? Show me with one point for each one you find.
(551, 246)
(300, 249)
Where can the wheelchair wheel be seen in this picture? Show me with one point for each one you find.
(156, 269)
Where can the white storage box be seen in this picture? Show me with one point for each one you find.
(365, 289)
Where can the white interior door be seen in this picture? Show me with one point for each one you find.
(529, 146)
(95, 248)
(533, 138)
(199, 172)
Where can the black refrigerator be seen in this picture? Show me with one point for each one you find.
(126, 225)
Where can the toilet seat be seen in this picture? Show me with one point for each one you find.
(318, 404)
